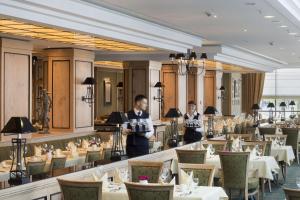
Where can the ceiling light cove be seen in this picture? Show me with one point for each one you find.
(283, 26)
(269, 16)
(18, 28)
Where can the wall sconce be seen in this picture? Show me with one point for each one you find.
(159, 87)
(282, 106)
(89, 97)
(222, 90)
(120, 85)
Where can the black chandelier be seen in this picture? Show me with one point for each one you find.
(188, 63)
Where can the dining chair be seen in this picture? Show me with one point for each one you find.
(246, 137)
(138, 191)
(80, 190)
(292, 139)
(191, 156)
(144, 168)
(291, 194)
(238, 129)
(278, 136)
(235, 174)
(91, 157)
(35, 169)
(252, 144)
(204, 172)
(218, 145)
(267, 131)
(57, 163)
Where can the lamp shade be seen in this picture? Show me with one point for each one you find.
(193, 55)
(222, 88)
(18, 125)
(158, 85)
(282, 104)
(173, 113)
(89, 81)
(292, 103)
(117, 118)
(203, 56)
(255, 107)
(271, 105)
(120, 85)
(210, 110)
(180, 56)
(172, 56)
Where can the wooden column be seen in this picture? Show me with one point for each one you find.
(15, 79)
(140, 78)
(67, 69)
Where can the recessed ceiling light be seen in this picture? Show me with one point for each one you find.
(250, 4)
(281, 48)
(283, 26)
(293, 33)
(215, 16)
(275, 21)
(269, 16)
(245, 30)
(293, 53)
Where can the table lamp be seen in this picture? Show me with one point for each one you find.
(210, 111)
(117, 150)
(174, 114)
(271, 106)
(292, 105)
(255, 108)
(282, 106)
(18, 126)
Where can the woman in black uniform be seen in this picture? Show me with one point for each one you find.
(193, 124)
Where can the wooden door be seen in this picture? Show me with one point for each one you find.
(170, 90)
(210, 88)
(191, 88)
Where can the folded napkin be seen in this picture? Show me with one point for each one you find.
(85, 144)
(248, 149)
(275, 142)
(104, 179)
(58, 152)
(253, 153)
(4, 164)
(173, 181)
(38, 151)
(117, 176)
(186, 178)
(235, 144)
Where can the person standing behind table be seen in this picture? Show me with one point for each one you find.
(137, 144)
(192, 117)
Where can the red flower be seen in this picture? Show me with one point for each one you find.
(143, 178)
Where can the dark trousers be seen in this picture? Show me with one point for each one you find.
(191, 137)
(136, 150)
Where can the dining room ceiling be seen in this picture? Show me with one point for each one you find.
(262, 26)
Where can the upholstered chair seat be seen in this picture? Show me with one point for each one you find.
(57, 163)
(191, 156)
(80, 190)
(35, 168)
(292, 194)
(145, 168)
(149, 191)
(204, 173)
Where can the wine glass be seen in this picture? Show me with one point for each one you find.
(165, 174)
(11, 154)
(259, 152)
(196, 182)
(98, 142)
(298, 182)
(212, 150)
(67, 147)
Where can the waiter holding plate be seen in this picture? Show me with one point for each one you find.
(193, 124)
(139, 129)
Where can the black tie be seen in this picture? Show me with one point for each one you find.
(139, 113)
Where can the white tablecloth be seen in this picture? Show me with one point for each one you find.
(200, 193)
(283, 153)
(264, 164)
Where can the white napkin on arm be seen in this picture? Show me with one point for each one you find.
(186, 178)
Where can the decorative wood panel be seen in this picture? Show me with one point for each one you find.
(16, 85)
(61, 117)
(170, 80)
(138, 82)
(83, 111)
(209, 89)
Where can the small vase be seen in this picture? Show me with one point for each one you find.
(143, 181)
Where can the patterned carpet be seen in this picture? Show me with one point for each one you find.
(277, 193)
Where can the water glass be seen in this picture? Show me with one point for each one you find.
(196, 181)
(298, 182)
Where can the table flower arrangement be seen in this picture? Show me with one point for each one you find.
(143, 179)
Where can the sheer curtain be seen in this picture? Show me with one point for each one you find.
(252, 90)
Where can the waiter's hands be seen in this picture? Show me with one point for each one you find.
(127, 131)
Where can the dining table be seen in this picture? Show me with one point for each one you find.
(119, 192)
